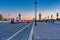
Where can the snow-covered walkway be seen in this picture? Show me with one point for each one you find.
(47, 31)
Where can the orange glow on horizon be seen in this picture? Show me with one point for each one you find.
(29, 17)
(22, 17)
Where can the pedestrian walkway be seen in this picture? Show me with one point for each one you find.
(46, 31)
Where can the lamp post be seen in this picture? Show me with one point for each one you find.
(35, 12)
(19, 17)
(51, 18)
(9, 16)
(48, 17)
(57, 15)
(40, 16)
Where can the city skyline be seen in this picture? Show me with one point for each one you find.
(26, 8)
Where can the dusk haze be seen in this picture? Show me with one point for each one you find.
(29, 19)
(26, 8)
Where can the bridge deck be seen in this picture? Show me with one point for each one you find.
(47, 31)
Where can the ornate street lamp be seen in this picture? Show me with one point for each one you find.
(9, 16)
(57, 15)
(40, 16)
(51, 16)
(35, 12)
(19, 17)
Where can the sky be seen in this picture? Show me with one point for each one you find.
(27, 9)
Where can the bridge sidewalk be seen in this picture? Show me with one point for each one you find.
(45, 31)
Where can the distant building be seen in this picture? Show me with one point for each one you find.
(39, 16)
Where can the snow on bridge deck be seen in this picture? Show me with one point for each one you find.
(45, 31)
(8, 30)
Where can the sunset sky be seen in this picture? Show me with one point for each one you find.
(26, 8)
